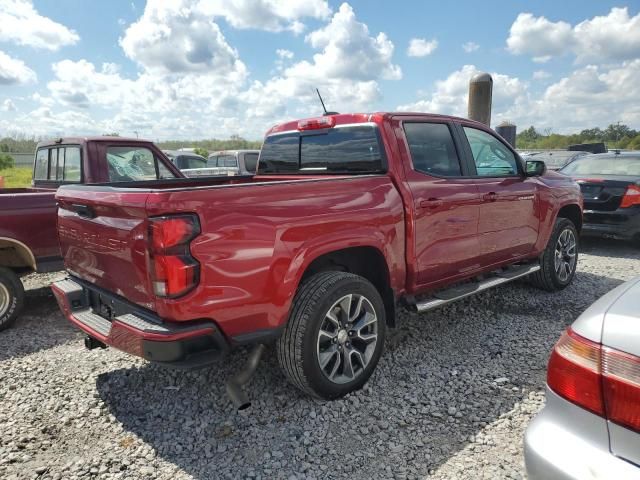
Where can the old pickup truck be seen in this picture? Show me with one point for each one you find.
(349, 217)
(28, 234)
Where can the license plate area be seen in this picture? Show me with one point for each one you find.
(591, 191)
(102, 306)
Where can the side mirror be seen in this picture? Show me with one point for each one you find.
(535, 168)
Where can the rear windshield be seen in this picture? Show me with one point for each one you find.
(345, 149)
(613, 165)
(131, 164)
(185, 162)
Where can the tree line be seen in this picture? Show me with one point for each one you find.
(616, 135)
(25, 144)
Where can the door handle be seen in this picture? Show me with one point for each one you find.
(84, 210)
(431, 203)
(490, 197)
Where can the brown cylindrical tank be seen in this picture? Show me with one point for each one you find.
(480, 92)
(507, 130)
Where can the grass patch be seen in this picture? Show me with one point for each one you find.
(16, 177)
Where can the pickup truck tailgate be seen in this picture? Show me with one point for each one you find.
(103, 238)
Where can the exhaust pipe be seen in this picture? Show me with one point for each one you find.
(234, 385)
(90, 343)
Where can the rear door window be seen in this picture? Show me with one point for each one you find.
(432, 149)
(346, 149)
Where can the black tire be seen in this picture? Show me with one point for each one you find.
(11, 297)
(548, 278)
(299, 347)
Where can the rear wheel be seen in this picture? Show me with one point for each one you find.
(11, 297)
(335, 334)
(560, 258)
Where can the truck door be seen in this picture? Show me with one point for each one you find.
(509, 217)
(446, 204)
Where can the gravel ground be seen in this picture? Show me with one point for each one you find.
(451, 397)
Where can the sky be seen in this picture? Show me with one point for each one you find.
(192, 69)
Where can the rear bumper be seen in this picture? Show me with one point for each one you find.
(565, 442)
(622, 224)
(189, 345)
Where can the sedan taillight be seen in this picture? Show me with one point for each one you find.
(174, 271)
(631, 197)
(602, 380)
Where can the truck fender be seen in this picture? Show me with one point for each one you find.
(14, 254)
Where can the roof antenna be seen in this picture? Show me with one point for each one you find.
(323, 107)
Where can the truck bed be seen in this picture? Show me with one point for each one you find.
(254, 238)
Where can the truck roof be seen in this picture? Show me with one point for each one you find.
(82, 140)
(376, 117)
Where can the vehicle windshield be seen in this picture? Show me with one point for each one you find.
(610, 165)
(130, 164)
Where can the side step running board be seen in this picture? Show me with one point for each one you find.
(464, 290)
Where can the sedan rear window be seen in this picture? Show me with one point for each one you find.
(608, 165)
(344, 149)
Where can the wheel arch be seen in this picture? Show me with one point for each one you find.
(15, 254)
(572, 212)
(366, 261)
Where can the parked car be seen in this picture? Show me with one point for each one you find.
(28, 234)
(554, 159)
(348, 217)
(610, 183)
(185, 160)
(590, 425)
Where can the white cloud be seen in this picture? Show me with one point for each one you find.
(450, 95)
(470, 47)
(419, 47)
(590, 96)
(346, 69)
(269, 15)
(539, 37)
(23, 25)
(175, 37)
(541, 75)
(283, 53)
(14, 72)
(8, 105)
(612, 37)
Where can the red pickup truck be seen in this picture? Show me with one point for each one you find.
(28, 233)
(348, 217)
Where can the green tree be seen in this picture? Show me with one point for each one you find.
(6, 161)
(201, 151)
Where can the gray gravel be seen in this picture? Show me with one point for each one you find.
(451, 397)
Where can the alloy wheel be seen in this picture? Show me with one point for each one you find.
(565, 255)
(347, 338)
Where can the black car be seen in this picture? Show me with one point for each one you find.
(610, 184)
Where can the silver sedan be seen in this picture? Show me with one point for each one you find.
(590, 426)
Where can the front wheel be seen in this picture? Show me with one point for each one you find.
(560, 258)
(11, 297)
(335, 334)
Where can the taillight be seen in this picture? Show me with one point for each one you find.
(574, 371)
(174, 271)
(621, 385)
(600, 379)
(631, 197)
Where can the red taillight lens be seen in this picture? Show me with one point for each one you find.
(316, 123)
(173, 270)
(574, 371)
(631, 197)
(621, 385)
(600, 379)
